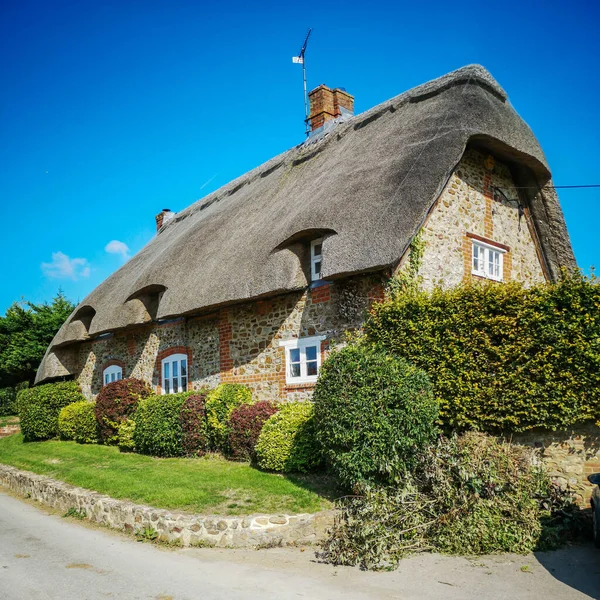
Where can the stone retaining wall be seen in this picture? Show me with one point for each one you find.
(184, 529)
(9, 430)
(570, 456)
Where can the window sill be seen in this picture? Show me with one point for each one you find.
(487, 277)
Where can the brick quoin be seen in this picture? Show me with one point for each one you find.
(131, 346)
(225, 336)
(169, 352)
(320, 294)
(488, 223)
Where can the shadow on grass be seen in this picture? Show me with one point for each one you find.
(319, 483)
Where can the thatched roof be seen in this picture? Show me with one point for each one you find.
(369, 184)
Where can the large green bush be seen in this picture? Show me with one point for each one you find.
(8, 401)
(117, 402)
(77, 422)
(287, 441)
(158, 429)
(470, 494)
(374, 413)
(220, 403)
(192, 418)
(501, 357)
(40, 406)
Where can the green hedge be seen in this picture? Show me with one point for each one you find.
(220, 403)
(374, 414)
(158, 429)
(77, 422)
(501, 357)
(8, 399)
(287, 441)
(40, 406)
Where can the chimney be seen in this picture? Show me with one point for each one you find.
(327, 104)
(162, 217)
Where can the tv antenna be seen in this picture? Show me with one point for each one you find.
(300, 61)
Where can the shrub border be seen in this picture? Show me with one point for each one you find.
(171, 527)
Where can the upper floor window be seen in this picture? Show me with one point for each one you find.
(113, 373)
(174, 374)
(302, 359)
(488, 261)
(316, 259)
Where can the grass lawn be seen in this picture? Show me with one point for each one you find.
(208, 485)
(4, 421)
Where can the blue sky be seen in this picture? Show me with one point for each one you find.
(112, 110)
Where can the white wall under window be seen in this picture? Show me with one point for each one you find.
(113, 373)
(174, 374)
(488, 261)
(302, 359)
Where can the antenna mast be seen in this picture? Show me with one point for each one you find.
(300, 60)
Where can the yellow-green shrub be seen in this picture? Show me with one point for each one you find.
(287, 441)
(77, 422)
(220, 403)
(501, 357)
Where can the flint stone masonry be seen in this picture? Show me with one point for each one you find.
(569, 456)
(172, 527)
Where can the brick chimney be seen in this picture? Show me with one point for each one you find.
(163, 216)
(327, 104)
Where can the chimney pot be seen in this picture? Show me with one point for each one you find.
(162, 217)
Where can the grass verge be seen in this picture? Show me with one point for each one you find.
(208, 485)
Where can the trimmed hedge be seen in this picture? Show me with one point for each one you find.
(117, 402)
(192, 417)
(158, 429)
(287, 441)
(77, 422)
(8, 399)
(245, 424)
(374, 414)
(220, 403)
(502, 358)
(40, 406)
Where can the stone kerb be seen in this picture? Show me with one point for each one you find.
(171, 527)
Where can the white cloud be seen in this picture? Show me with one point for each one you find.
(63, 267)
(117, 247)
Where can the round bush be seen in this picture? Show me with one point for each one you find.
(158, 430)
(374, 413)
(116, 402)
(77, 422)
(287, 441)
(220, 403)
(193, 425)
(40, 406)
(245, 424)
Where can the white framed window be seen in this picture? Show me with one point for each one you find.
(316, 259)
(174, 374)
(302, 359)
(488, 261)
(112, 373)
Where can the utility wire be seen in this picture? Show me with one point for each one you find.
(557, 187)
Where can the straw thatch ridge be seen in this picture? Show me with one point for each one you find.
(369, 183)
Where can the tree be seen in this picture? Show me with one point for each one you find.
(26, 330)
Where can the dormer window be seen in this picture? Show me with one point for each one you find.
(112, 373)
(316, 259)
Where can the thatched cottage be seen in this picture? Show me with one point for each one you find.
(252, 283)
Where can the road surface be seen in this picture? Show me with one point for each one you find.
(43, 556)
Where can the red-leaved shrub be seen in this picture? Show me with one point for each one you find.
(245, 424)
(116, 402)
(193, 424)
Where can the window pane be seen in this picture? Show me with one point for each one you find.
(175, 368)
(317, 267)
(120, 375)
(317, 250)
(183, 367)
(167, 371)
(167, 387)
(106, 378)
(295, 370)
(311, 353)
(295, 355)
(311, 368)
(184, 384)
(113, 376)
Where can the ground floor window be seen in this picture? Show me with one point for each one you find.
(113, 373)
(302, 359)
(174, 374)
(488, 261)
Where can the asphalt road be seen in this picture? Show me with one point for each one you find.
(43, 556)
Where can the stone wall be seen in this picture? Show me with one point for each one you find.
(468, 205)
(570, 456)
(238, 344)
(183, 529)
